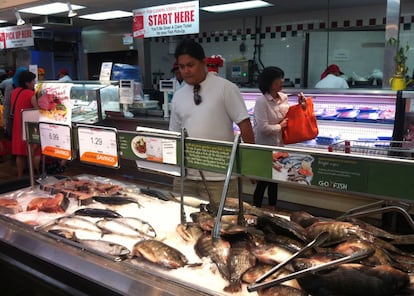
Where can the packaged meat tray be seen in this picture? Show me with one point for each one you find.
(349, 115)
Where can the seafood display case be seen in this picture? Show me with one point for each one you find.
(90, 99)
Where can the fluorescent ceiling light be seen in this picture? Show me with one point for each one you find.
(52, 8)
(37, 28)
(236, 6)
(107, 15)
(3, 21)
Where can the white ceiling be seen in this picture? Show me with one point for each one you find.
(280, 6)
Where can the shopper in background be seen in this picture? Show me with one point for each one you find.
(9, 86)
(207, 106)
(63, 75)
(331, 78)
(270, 118)
(23, 97)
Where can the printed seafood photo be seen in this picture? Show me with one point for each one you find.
(292, 167)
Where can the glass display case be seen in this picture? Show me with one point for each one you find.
(89, 99)
(352, 114)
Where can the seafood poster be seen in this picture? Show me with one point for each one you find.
(54, 103)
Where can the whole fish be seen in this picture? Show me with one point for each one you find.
(97, 213)
(338, 231)
(271, 253)
(116, 200)
(115, 226)
(143, 227)
(189, 232)
(160, 253)
(106, 247)
(352, 280)
(304, 219)
(218, 250)
(74, 222)
(240, 260)
(281, 290)
(282, 226)
(255, 272)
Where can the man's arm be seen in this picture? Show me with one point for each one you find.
(246, 131)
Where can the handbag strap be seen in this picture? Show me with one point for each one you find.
(15, 101)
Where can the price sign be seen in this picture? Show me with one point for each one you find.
(98, 145)
(55, 140)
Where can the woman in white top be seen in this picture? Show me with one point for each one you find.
(270, 118)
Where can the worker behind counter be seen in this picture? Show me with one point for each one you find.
(331, 78)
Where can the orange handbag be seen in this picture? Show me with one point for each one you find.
(301, 125)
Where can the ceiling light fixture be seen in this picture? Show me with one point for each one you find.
(236, 6)
(51, 8)
(19, 19)
(107, 15)
(71, 12)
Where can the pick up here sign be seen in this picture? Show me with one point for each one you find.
(16, 36)
(166, 20)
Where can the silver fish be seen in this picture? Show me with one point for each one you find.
(138, 225)
(75, 222)
(106, 247)
(115, 226)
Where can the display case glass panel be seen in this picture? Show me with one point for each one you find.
(90, 99)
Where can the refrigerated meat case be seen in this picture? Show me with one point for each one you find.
(345, 114)
(56, 266)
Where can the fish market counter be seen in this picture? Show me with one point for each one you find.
(44, 246)
(57, 268)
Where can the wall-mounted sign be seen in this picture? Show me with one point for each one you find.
(16, 36)
(166, 20)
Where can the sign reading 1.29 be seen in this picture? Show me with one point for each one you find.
(98, 145)
(96, 141)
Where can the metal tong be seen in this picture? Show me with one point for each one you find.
(383, 207)
(316, 242)
(359, 255)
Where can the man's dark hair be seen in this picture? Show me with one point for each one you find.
(190, 47)
(24, 77)
(267, 77)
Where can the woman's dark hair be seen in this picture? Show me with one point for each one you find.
(25, 77)
(190, 47)
(268, 75)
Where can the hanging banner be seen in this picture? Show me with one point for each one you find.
(16, 36)
(166, 20)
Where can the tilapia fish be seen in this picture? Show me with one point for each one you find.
(189, 232)
(218, 250)
(353, 280)
(281, 290)
(271, 253)
(281, 226)
(160, 253)
(240, 260)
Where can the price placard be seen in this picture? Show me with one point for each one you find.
(98, 145)
(55, 140)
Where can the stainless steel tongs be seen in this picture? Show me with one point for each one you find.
(382, 207)
(354, 257)
(316, 242)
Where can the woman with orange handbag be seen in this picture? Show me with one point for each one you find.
(269, 120)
